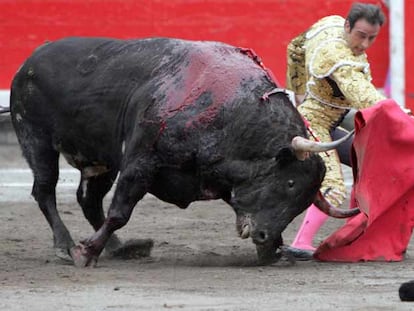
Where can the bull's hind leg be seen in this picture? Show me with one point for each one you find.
(90, 195)
(44, 162)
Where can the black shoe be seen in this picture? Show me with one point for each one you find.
(406, 291)
(297, 253)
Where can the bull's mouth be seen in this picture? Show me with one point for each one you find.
(268, 250)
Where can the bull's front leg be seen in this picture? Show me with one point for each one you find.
(131, 187)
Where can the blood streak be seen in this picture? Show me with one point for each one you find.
(214, 71)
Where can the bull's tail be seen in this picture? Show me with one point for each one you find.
(4, 109)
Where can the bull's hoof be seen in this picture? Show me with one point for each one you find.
(81, 258)
(267, 255)
(406, 291)
(63, 254)
(133, 249)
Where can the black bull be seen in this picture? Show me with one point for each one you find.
(182, 120)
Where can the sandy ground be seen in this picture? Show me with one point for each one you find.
(197, 263)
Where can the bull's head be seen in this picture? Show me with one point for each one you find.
(271, 193)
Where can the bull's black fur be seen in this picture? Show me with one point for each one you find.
(182, 120)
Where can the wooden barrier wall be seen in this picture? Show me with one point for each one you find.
(266, 26)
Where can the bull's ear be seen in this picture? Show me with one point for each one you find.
(285, 156)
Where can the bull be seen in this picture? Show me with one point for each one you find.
(182, 120)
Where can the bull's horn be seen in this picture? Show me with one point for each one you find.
(332, 211)
(303, 145)
(245, 232)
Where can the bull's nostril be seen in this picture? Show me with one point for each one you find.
(262, 236)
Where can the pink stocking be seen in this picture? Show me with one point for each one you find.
(313, 220)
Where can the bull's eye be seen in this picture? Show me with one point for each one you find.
(291, 183)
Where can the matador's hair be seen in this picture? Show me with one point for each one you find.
(370, 12)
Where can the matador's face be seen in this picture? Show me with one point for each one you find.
(361, 36)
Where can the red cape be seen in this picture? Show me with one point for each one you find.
(383, 168)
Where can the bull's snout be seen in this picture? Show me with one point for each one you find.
(247, 227)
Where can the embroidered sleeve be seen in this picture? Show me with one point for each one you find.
(296, 68)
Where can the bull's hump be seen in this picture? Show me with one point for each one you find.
(210, 70)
